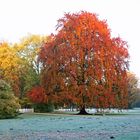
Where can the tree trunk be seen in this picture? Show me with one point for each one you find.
(83, 111)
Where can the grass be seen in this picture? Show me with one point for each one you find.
(61, 125)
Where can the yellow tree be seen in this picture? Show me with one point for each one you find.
(9, 64)
(19, 65)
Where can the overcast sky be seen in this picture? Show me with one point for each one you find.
(20, 17)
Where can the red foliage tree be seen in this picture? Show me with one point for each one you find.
(37, 95)
(83, 65)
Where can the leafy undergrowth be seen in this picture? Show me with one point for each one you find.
(71, 127)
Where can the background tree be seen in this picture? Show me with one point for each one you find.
(28, 49)
(133, 90)
(83, 65)
(19, 65)
(137, 102)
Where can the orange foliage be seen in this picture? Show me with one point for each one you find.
(83, 65)
(37, 95)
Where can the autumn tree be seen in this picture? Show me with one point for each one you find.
(83, 65)
(39, 98)
(37, 95)
(10, 65)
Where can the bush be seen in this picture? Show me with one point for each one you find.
(25, 103)
(9, 104)
(42, 107)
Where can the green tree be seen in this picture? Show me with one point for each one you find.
(8, 102)
(28, 49)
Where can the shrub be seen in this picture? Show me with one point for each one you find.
(43, 107)
(25, 103)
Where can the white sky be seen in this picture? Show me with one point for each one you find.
(20, 17)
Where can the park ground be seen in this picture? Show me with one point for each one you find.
(124, 126)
